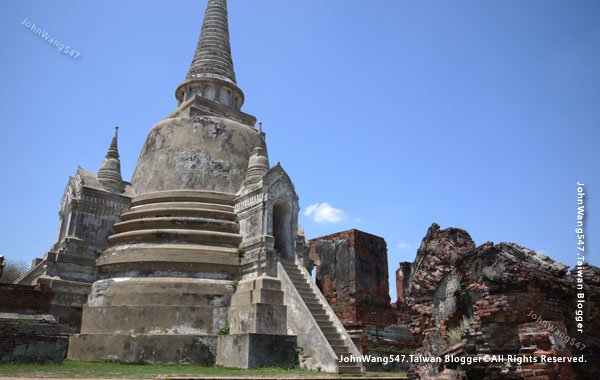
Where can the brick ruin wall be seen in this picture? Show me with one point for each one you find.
(515, 301)
(28, 333)
(352, 273)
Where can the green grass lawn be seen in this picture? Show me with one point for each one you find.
(73, 369)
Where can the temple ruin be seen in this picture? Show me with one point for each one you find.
(199, 259)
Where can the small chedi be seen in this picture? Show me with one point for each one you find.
(91, 204)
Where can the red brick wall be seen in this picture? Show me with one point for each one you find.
(25, 299)
(352, 272)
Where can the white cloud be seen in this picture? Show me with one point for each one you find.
(403, 246)
(324, 213)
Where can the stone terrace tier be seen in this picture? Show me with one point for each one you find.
(175, 233)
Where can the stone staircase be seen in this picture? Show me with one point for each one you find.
(319, 313)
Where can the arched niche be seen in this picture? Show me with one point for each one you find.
(282, 229)
(282, 215)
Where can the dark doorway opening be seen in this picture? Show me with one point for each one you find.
(282, 229)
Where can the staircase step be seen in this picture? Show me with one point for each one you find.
(326, 325)
(341, 350)
(324, 321)
(319, 313)
(310, 301)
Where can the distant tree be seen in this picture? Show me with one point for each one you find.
(12, 271)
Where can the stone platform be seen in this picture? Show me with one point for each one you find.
(152, 320)
(144, 349)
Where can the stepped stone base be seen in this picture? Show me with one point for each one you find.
(144, 349)
(256, 350)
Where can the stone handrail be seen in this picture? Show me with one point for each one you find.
(331, 314)
(302, 323)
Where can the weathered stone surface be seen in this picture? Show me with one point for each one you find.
(23, 347)
(518, 302)
(144, 348)
(196, 153)
(257, 308)
(256, 350)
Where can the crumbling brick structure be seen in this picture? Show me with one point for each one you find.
(518, 304)
(28, 333)
(402, 276)
(352, 273)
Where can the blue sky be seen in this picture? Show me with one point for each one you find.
(387, 114)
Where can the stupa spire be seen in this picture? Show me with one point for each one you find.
(109, 174)
(213, 53)
(211, 75)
